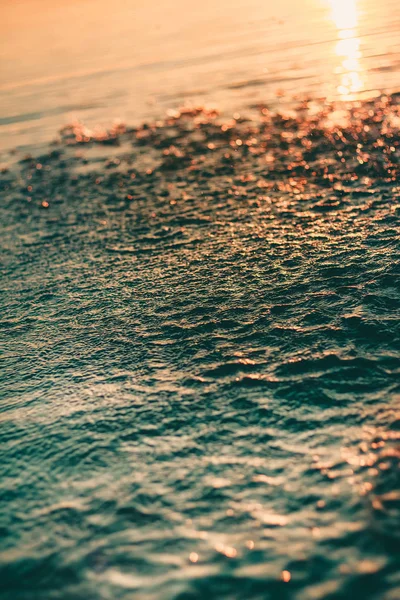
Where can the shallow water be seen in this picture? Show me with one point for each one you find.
(200, 393)
(200, 314)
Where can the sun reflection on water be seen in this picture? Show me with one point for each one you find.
(344, 14)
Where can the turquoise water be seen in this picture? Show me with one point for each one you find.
(201, 359)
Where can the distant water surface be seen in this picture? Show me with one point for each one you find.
(99, 60)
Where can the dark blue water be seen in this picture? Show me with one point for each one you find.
(200, 382)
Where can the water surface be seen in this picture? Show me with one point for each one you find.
(99, 61)
(200, 334)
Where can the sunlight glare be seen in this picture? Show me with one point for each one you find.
(344, 14)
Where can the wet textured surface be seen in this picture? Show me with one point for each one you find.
(200, 375)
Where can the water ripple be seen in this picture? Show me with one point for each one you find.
(200, 382)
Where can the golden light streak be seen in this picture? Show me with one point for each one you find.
(344, 14)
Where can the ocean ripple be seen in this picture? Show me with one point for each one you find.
(201, 358)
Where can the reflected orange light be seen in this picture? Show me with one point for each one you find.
(344, 14)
